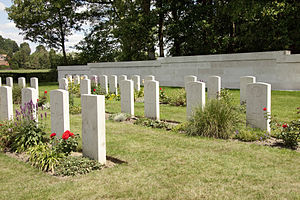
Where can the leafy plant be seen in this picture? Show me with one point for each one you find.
(163, 97)
(75, 109)
(43, 99)
(16, 92)
(178, 98)
(72, 166)
(138, 94)
(66, 144)
(119, 117)
(43, 157)
(152, 123)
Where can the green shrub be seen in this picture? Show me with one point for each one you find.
(119, 117)
(75, 109)
(138, 94)
(43, 157)
(163, 99)
(218, 119)
(42, 75)
(43, 99)
(248, 134)
(71, 166)
(290, 133)
(178, 98)
(152, 123)
(66, 144)
(16, 93)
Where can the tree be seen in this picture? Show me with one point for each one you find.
(21, 58)
(48, 22)
(8, 46)
(40, 58)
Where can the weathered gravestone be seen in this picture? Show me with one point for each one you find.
(213, 87)
(9, 81)
(22, 82)
(6, 103)
(76, 79)
(85, 86)
(93, 127)
(258, 105)
(151, 99)
(63, 84)
(244, 81)
(188, 79)
(136, 82)
(113, 84)
(103, 84)
(195, 97)
(149, 78)
(127, 97)
(34, 83)
(29, 98)
(122, 78)
(59, 107)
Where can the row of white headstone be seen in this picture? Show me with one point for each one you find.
(256, 95)
(93, 116)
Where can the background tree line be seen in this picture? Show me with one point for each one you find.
(125, 30)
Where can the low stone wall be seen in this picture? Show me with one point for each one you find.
(279, 68)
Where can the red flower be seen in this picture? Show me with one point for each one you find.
(159, 88)
(45, 92)
(66, 135)
(265, 109)
(52, 135)
(71, 134)
(94, 90)
(284, 125)
(37, 100)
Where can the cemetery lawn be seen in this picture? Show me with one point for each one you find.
(164, 165)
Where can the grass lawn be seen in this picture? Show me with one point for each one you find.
(167, 165)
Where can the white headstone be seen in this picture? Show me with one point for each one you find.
(6, 103)
(85, 77)
(0, 81)
(113, 84)
(9, 81)
(151, 99)
(258, 99)
(122, 78)
(149, 78)
(94, 80)
(34, 83)
(63, 84)
(103, 84)
(22, 82)
(76, 79)
(244, 81)
(213, 87)
(85, 86)
(69, 78)
(30, 95)
(189, 78)
(93, 127)
(195, 97)
(59, 107)
(136, 82)
(127, 97)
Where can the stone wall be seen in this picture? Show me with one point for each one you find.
(279, 68)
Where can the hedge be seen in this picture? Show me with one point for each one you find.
(43, 76)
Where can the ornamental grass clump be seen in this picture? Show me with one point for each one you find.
(219, 118)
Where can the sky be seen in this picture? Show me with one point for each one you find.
(9, 30)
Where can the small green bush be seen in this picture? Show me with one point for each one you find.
(73, 165)
(16, 93)
(219, 118)
(178, 98)
(75, 109)
(290, 133)
(152, 123)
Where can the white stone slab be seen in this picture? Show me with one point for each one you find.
(30, 95)
(103, 84)
(93, 127)
(0, 81)
(149, 78)
(85, 86)
(122, 78)
(189, 78)
(136, 82)
(258, 98)
(63, 84)
(76, 79)
(213, 87)
(244, 81)
(34, 83)
(59, 107)
(85, 77)
(151, 99)
(127, 97)
(22, 82)
(195, 97)
(113, 84)
(9, 81)
(94, 80)
(6, 103)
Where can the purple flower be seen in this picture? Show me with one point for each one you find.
(45, 115)
(41, 116)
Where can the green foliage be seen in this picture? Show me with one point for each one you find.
(73, 165)
(8, 46)
(163, 97)
(152, 123)
(178, 98)
(40, 58)
(43, 157)
(218, 119)
(16, 93)
(119, 117)
(66, 144)
(138, 94)
(21, 58)
(290, 134)
(248, 134)
(43, 76)
(43, 99)
(75, 109)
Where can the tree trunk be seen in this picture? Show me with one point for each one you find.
(160, 28)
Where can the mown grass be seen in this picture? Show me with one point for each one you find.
(165, 165)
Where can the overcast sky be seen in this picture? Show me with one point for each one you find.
(9, 30)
